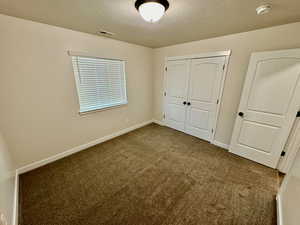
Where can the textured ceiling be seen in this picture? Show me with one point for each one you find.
(186, 20)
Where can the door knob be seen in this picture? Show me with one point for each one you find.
(241, 114)
(184, 102)
(188, 103)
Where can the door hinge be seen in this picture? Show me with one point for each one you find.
(217, 101)
(283, 153)
(166, 69)
(224, 67)
(165, 94)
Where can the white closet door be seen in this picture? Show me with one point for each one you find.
(176, 93)
(268, 107)
(204, 88)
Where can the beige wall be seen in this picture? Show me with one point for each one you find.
(38, 99)
(280, 37)
(6, 182)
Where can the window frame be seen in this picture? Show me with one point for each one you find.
(77, 81)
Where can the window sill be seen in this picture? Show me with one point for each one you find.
(102, 109)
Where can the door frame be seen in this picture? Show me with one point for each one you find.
(291, 148)
(226, 54)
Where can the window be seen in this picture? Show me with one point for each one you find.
(100, 82)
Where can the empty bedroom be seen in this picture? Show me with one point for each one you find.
(149, 112)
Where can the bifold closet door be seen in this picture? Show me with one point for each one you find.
(204, 88)
(192, 90)
(176, 95)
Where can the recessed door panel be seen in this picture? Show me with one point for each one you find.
(269, 102)
(199, 118)
(258, 136)
(273, 85)
(177, 79)
(176, 113)
(203, 78)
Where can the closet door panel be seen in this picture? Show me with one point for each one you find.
(204, 84)
(176, 93)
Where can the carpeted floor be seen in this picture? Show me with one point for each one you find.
(154, 175)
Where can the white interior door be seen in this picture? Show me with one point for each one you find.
(204, 88)
(268, 107)
(176, 93)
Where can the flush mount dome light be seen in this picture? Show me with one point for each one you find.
(152, 10)
(263, 9)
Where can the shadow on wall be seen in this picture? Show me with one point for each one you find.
(7, 179)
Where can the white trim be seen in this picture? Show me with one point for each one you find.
(161, 123)
(79, 148)
(279, 209)
(102, 109)
(200, 55)
(291, 148)
(220, 144)
(16, 200)
(85, 54)
(221, 90)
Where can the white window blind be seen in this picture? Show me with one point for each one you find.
(100, 82)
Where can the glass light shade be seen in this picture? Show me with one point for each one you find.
(152, 11)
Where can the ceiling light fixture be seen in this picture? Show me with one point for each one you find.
(152, 10)
(263, 9)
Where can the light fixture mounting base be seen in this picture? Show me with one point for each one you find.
(165, 3)
(263, 9)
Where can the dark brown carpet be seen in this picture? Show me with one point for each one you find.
(151, 176)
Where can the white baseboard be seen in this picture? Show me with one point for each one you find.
(79, 148)
(220, 144)
(16, 200)
(159, 122)
(279, 209)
